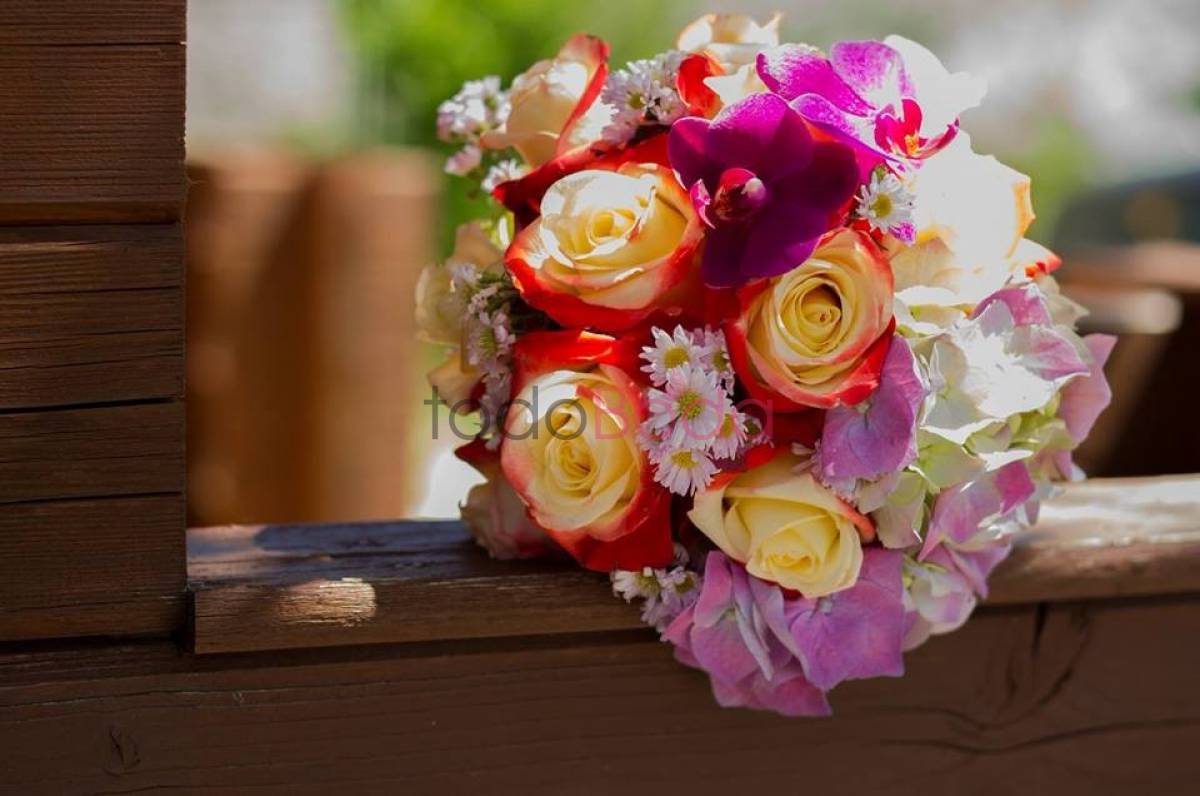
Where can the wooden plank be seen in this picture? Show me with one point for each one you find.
(91, 133)
(1089, 698)
(90, 314)
(92, 22)
(92, 567)
(361, 584)
(278, 587)
(98, 452)
(1108, 537)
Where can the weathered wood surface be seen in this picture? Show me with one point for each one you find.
(91, 133)
(274, 587)
(1097, 697)
(90, 314)
(99, 452)
(92, 521)
(91, 317)
(92, 567)
(92, 21)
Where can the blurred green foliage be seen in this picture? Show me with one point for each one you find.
(1061, 164)
(412, 54)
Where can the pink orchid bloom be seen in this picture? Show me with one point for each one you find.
(893, 97)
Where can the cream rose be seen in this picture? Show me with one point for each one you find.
(607, 246)
(785, 527)
(570, 450)
(454, 380)
(817, 335)
(733, 42)
(545, 98)
(439, 310)
(494, 513)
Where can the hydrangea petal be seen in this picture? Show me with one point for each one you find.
(960, 511)
(1084, 399)
(866, 445)
(857, 632)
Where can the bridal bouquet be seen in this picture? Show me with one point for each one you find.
(755, 331)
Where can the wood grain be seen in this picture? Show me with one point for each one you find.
(278, 587)
(99, 452)
(92, 567)
(91, 133)
(92, 22)
(90, 314)
(1086, 698)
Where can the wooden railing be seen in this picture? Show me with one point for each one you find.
(285, 586)
(441, 671)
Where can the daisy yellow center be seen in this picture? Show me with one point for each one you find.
(690, 405)
(647, 583)
(882, 206)
(720, 362)
(683, 459)
(727, 426)
(487, 342)
(675, 357)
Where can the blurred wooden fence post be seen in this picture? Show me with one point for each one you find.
(302, 364)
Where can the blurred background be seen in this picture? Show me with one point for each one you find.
(317, 195)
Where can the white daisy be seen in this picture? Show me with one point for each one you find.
(887, 205)
(689, 411)
(504, 171)
(731, 436)
(631, 584)
(478, 106)
(652, 442)
(490, 341)
(685, 471)
(464, 161)
(666, 592)
(642, 93)
(497, 389)
(716, 356)
(677, 589)
(672, 351)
